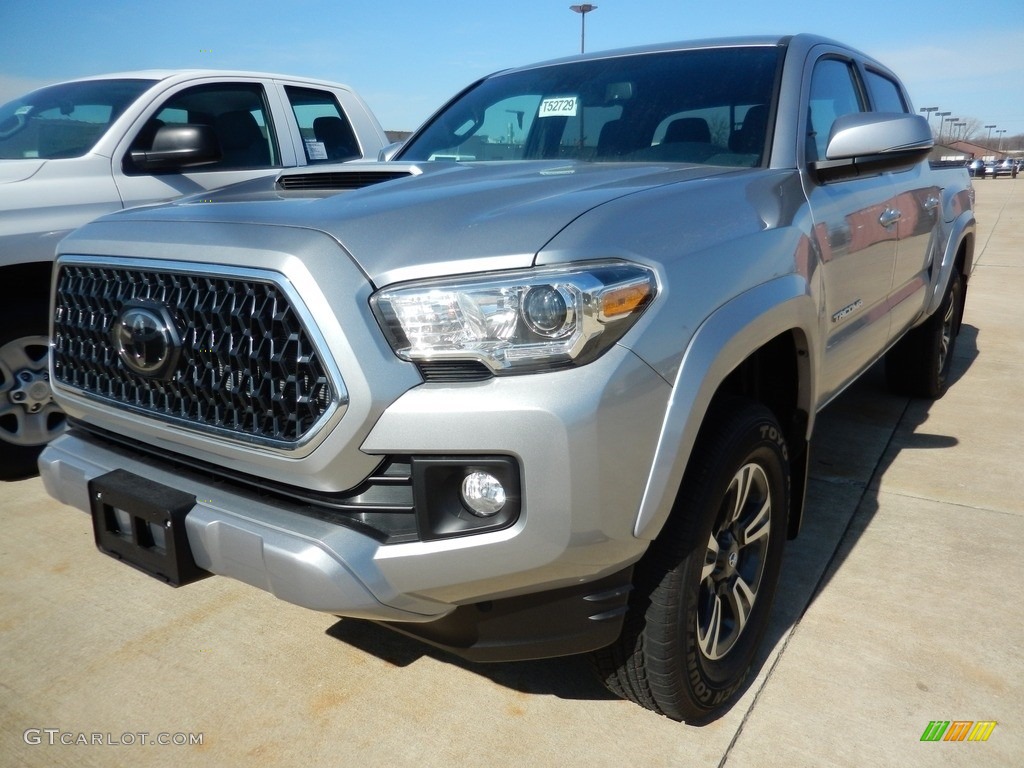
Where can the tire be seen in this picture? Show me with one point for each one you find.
(28, 416)
(918, 365)
(703, 591)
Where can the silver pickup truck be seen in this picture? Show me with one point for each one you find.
(544, 383)
(75, 150)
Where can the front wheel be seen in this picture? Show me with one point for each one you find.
(703, 592)
(28, 416)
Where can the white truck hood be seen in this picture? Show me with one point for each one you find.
(18, 170)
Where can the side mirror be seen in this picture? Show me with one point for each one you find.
(178, 146)
(865, 143)
(389, 152)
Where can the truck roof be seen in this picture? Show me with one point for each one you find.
(182, 75)
(803, 39)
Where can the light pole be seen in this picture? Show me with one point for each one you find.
(928, 114)
(990, 127)
(950, 120)
(1001, 131)
(962, 130)
(941, 115)
(583, 9)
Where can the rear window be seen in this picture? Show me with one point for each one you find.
(885, 93)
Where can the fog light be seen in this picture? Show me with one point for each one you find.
(483, 494)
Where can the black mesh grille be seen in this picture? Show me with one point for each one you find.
(453, 371)
(247, 365)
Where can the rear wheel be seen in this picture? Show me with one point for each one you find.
(703, 592)
(28, 416)
(919, 364)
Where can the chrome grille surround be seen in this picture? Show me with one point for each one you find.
(253, 367)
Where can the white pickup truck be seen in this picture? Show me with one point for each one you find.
(72, 151)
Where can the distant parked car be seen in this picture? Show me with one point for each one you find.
(976, 168)
(1005, 167)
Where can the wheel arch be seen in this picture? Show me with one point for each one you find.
(26, 283)
(757, 346)
(959, 255)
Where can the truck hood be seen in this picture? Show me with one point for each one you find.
(449, 216)
(18, 170)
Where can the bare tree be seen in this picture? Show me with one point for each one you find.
(972, 129)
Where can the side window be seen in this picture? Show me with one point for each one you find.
(326, 132)
(239, 115)
(834, 93)
(885, 94)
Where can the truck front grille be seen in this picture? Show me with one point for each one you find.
(243, 362)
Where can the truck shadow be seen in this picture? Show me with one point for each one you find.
(568, 677)
(853, 447)
(857, 438)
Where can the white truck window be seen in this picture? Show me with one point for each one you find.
(327, 135)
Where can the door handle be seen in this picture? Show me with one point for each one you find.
(889, 217)
(931, 203)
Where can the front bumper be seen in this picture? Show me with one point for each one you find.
(255, 540)
(583, 440)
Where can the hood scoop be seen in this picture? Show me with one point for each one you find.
(338, 179)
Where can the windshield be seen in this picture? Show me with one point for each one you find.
(64, 120)
(701, 106)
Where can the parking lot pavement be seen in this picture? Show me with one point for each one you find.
(899, 606)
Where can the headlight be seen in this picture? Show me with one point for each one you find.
(516, 322)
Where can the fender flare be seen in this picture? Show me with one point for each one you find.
(962, 227)
(724, 340)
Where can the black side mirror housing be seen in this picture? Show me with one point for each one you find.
(179, 146)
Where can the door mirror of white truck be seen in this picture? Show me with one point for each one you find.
(864, 143)
(178, 146)
(389, 152)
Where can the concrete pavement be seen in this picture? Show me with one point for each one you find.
(899, 605)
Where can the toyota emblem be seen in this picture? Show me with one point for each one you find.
(146, 339)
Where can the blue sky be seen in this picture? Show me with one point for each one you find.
(406, 57)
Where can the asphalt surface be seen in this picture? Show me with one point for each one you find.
(899, 606)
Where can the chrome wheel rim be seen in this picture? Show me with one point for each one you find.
(734, 562)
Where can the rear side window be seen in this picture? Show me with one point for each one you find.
(885, 94)
(327, 135)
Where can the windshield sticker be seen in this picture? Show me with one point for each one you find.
(558, 106)
(316, 150)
